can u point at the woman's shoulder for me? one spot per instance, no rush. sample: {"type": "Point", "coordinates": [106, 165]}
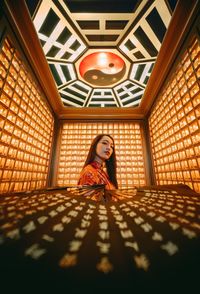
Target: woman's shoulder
{"type": "Point", "coordinates": [89, 167]}
{"type": "Point", "coordinates": [88, 176]}
{"type": "Point", "coordinates": [89, 170]}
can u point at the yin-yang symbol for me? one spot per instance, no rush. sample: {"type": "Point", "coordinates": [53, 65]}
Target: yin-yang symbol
{"type": "Point", "coordinates": [102, 68]}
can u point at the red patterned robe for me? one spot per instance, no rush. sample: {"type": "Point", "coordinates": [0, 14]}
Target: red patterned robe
{"type": "Point", "coordinates": [93, 174]}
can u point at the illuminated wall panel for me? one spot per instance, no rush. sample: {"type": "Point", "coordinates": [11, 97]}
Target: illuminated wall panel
{"type": "Point", "coordinates": [26, 126]}
{"type": "Point", "coordinates": [76, 139]}
{"type": "Point", "coordinates": [175, 124]}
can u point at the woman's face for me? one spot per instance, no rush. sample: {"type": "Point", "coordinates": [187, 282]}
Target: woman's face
{"type": "Point", "coordinates": [104, 148]}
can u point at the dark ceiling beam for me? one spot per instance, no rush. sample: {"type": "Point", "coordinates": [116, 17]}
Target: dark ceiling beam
{"type": "Point", "coordinates": [92, 113]}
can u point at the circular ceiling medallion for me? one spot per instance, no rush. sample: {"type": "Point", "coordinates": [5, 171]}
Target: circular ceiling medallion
{"type": "Point", "coordinates": [102, 68]}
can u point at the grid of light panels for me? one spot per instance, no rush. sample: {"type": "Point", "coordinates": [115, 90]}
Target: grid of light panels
{"type": "Point", "coordinates": [26, 126]}
{"type": "Point", "coordinates": [175, 124]}
{"type": "Point", "coordinates": [75, 142]}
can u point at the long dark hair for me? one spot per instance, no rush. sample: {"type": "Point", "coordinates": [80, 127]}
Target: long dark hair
{"type": "Point", "coordinates": [111, 165]}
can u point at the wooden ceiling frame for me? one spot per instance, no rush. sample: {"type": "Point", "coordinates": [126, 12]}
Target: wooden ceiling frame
{"type": "Point", "coordinates": [20, 20]}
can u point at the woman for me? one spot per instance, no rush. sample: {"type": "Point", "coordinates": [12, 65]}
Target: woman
{"type": "Point", "coordinates": [101, 153]}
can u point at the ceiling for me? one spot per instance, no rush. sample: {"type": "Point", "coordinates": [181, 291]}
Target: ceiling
{"type": "Point", "coordinates": [101, 53]}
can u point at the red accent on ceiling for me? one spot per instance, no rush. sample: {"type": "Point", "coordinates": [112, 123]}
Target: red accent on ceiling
{"type": "Point", "coordinates": [102, 68]}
